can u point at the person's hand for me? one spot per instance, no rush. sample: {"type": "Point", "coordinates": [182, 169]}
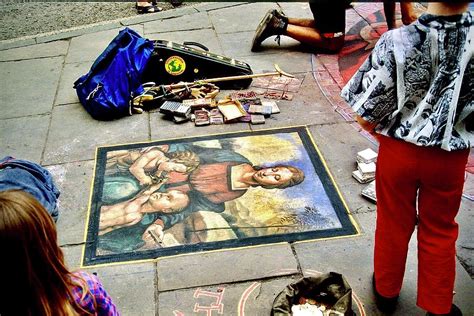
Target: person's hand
{"type": "Point", "coordinates": [153, 236]}
{"type": "Point", "coordinates": [146, 181]}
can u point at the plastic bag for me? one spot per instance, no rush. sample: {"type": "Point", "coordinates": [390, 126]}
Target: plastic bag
{"type": "Point", "coordinates": [330, 290]}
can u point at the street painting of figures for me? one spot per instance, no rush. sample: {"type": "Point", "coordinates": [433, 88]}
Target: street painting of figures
{"type": "Point", "coordinates": [170, 197]}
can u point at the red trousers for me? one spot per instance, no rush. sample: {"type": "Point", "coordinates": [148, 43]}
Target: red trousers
{"type": "Point", "coordinates": [418, 186]}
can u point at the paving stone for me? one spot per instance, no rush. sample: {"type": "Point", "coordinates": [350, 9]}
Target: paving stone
{"type": "Point", "coordinates": [206, 37]}
{"type": "Point", "coordinates": [361, 209]}
{"type": "Point", "coordinates": [144, 18]}
{"type": "Point", "coordinates": [15, 43]}
{"type": "Point", "coordinates": [72, 255]}
{"type": "Point", "coordinates": [236, 43]}
{"type": "Point", "coordinates": [76, 31]}
{"type": "Point", "coordinates": [286, 60]}
{"type": "Point", "coordinates": [248, 298]}
{"type": "Point", "coordinates": [57, 48]}
{"type": "Point", "coordinates": [29, 86]}
{"type": "Point", "coordinates": [334, 139]}
{"type": "Point", "coordinates": [75, 182]}
{"type": "Point", "coordinates": [210, 6]}
{"type": "Point", "coordinates": [74, 134]}
{"type": "Point", "coordinates": [193, 21]}
{"type": "Point", "coordinates": [244, 18]}
{"type": "Point", "coordinates": [465, 243]}
{"type": "Point", "coordinates": [239, 44]}
{"type": "Point", "coordinates": [24, 137]}
{"type": "Point", "coordinates": [215, 267]}
{"type": "Point", "coordinates": [296, 9]}
{"type": "Point", "coordinates": [463, 286]}
{"type": "Point", "coordinates": [308, 107]}
{"type": "Point", "coordinates": [132, 287]}
{"type": "Point", "coordinates": [71, 72]}
{"type": "Point", "coordinates": [88, 47]}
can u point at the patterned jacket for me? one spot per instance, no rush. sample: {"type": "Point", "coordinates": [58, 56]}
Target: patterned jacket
{"type": "Point", "coordinates": [418, 83]}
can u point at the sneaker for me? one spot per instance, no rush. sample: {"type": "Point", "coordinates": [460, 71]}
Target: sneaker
{"type": "Point", "coordinates": [273, 23]}
{"type": "Point", "coordinates": [384, 304]}
{"type": "Point", "coordinates": [280, 15]}
{"type": "Point", "coordinates": [455, 311]}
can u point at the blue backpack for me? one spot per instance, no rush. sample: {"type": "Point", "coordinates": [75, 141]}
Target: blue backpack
{"type": "Point", "coordinates": [106, 91]}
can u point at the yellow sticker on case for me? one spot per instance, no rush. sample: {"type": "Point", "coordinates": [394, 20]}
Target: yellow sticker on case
{"type": "Point", "coordinates": [175, 65]}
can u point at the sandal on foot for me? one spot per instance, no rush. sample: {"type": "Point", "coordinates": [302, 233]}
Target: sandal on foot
{"type": "Point", "coordinates": [148, 9]}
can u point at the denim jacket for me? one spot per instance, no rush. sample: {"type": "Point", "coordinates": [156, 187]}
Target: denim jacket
{"type": "Point", "coordinates": [32, 178]}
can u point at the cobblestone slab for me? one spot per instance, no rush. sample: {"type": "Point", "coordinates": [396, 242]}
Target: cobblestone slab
{"type": "Point", "coordinates": [57, 48]}
{"type": "Point", "coordinates": [70, 73]}
{"type": "Point", "coordinates": [248, 298]}
{"type": "Point", "coordinates": [74, 134]}
{"type": "Point", "coordinates": [286, 60]}
{"type": "Point", "coordinates": [132, 287]}
{"type": "Point", "coordinates": [29, 86]}
{"type": "Point", "coordinates": [74, 181]}
{"type": "Point", "coordinates": [216, 267]}
{"type": "Point", "coordinates": [73, 256]}
{"type": "Point", "coordinates": [198, 20]}
{"type": "Point", "coordinates": [88, 47]}
{"type": "Point", "coordinates": [27, 139]}
{"type": "Point", "coordinates": [245, 18]}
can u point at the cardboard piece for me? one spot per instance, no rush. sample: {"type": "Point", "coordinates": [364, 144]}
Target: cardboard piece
{"type": "Point", "coordinates": [231, 109]}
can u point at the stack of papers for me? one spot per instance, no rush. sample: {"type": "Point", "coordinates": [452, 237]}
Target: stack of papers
{"type": "Point", "coordinates": [366, 156]}
{"type": "Point", "coordinates": [369, 192]}
{"type": "Point", "coordinates": [361, 178]}
{"type": "Point", "coordinates": [365, 172]}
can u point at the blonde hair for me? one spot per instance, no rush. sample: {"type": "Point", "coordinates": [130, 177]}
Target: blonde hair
{"type": "Point", "coordinates": [33, 261]}
{"type": "Point", "coordinates": [186, 157]}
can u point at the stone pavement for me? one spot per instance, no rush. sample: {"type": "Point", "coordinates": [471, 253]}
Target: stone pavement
{"type": "Point", "coordinates": [42, 120]}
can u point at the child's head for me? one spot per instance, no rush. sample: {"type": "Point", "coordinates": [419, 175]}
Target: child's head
{"type": "Point", "coordinates": [172, 201]}
{"type": "Point", "coordinates": [32, 259]}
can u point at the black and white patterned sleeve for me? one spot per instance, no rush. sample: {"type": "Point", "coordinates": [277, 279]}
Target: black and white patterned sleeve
{"type": "Point", "coordinates": [371, 92]}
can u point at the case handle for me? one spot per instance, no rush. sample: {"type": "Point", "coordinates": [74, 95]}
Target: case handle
{"type": "Point", "coordinates": [196, 44]}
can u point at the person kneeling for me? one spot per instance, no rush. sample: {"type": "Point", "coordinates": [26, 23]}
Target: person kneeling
{"type": "Point", "coordinates": [324, 33]}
